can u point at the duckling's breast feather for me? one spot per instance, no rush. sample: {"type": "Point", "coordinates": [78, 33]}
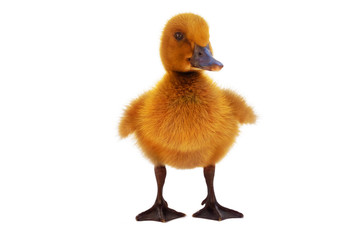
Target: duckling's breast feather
{"type": "Point", "coordinates": [187, 119]}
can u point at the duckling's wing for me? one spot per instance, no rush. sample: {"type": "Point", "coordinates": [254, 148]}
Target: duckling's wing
{"type": "Point", "coordinates": [243, 112]}
{"type": "Point", "coordinates": [128, 122]}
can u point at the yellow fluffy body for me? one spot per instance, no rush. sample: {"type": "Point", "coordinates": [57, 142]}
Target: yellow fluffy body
{"type": "Point", "coordinates": [186, 120]}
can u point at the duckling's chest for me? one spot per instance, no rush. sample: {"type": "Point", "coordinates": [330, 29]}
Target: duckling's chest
{"type": "Point", "coordinates": [185, 119]}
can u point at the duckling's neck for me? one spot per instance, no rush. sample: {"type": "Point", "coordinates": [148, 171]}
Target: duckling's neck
{"type": "Point", "coordinates": [185, 78]}
{"type": "Point", "coordinates": [187, 87]}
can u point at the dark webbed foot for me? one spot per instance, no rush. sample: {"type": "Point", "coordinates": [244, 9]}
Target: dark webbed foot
{"type": "Point", "coordinates": [159, 212]}
{"type": "Point", "coordinates": [213, 210]}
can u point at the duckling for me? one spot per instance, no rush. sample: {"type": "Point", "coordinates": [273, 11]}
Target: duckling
{"type": "Point", "coordinates": [186, 120]}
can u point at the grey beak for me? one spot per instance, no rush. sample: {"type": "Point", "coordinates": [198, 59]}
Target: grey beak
{"type": "Point", "coordinates": [203, 59]}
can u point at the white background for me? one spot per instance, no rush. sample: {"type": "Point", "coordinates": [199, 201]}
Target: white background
{"type": "Point", "coordinates": [68, 69]}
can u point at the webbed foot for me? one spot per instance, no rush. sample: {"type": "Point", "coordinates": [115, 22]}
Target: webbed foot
{"type": "Point", "coordinates": [159, 212]}
{"type": "Point", "coordinates": [214, 211]}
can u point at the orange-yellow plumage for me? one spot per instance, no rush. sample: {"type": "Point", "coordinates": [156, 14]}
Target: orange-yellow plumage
{"type": "Point", "coordinates": [186, 120]}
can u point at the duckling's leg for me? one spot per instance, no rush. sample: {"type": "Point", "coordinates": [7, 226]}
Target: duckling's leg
{"type": "Point", "coordinates": [159, 211]}
{"type": "Point", "coordinates": [213, 210]}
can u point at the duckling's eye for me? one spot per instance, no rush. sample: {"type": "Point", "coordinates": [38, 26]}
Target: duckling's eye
{"type": "Point", "coordinates": [179, 36]}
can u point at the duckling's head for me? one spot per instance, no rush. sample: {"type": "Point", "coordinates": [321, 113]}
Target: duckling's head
{"type": "Point", "coordinates": [185, 45]}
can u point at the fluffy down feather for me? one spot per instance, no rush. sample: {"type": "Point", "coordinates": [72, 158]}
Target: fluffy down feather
{"type": "Point", "coordinates": [186, 120]}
